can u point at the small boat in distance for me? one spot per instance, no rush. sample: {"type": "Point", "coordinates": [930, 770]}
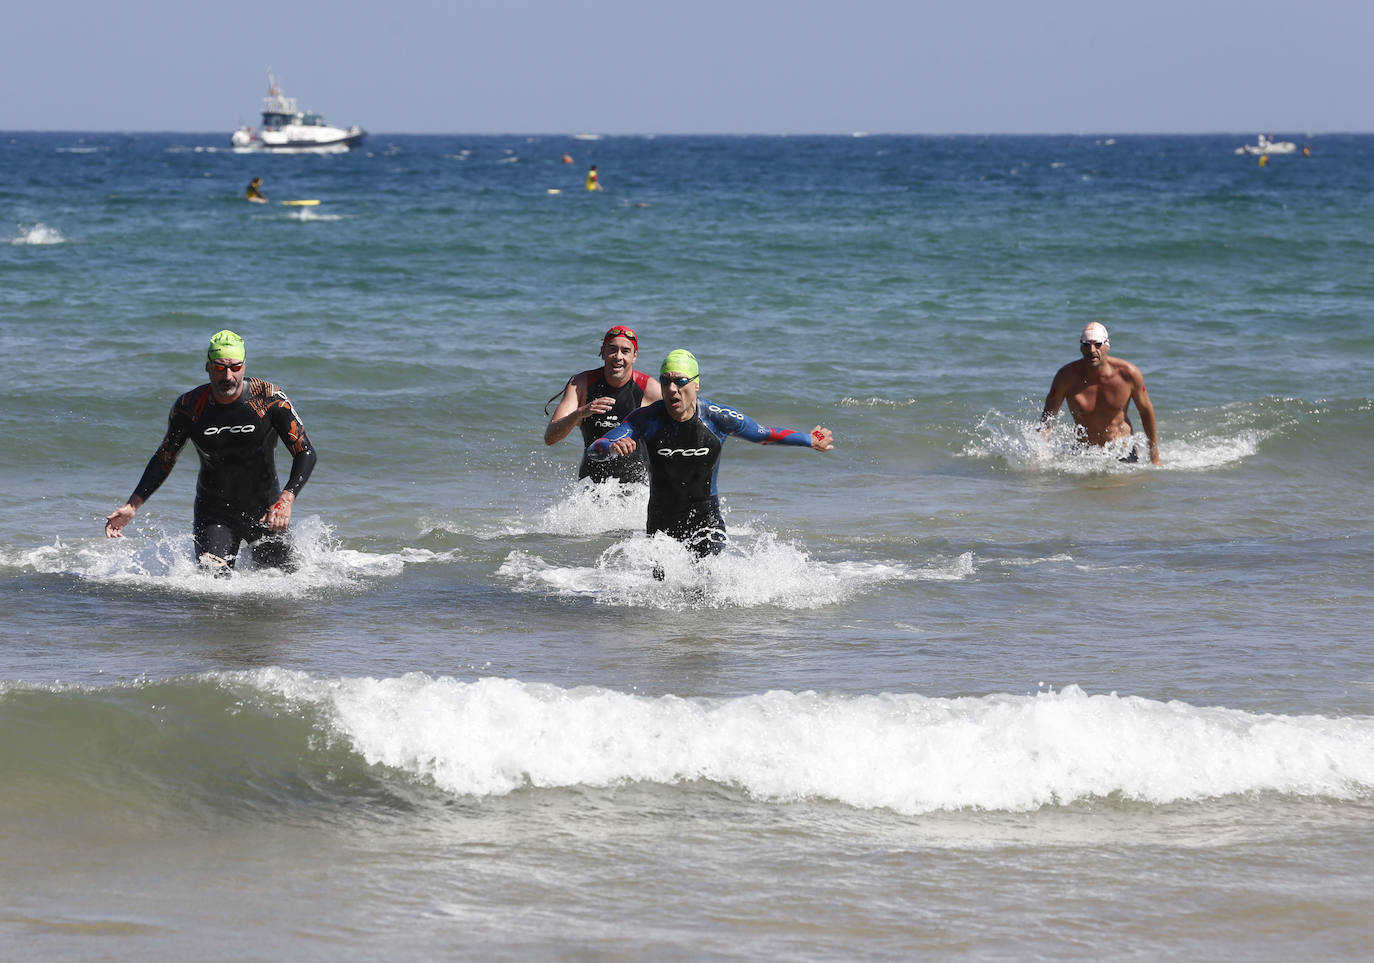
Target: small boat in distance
{"type": "Point", "coordinates": [287, 130]}
{"type": "Point", "coordinates": [1263, 145]}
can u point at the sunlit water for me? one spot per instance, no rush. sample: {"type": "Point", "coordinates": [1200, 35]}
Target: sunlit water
{"type": "Point", "coordinates": [958, 688]}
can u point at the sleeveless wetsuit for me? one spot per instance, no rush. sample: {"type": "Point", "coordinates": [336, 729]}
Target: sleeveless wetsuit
{"type": "Point", "coordinates": [628, 397]}
{"type": "Point", "coordinates": [683, 460]}
{"type": "Point", "coordinates": [238, 473]}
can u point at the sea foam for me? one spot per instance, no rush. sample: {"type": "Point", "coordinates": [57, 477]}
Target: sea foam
{"type": "Point", "coordinates": [38, 234]}
{"type": "Point", "coordinates": [903, 752]}
{"type": "Point", "coordinates": [163, 562]}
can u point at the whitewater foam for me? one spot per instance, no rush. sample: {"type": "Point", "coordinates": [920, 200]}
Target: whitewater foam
{"type": "Point", "coordinates": [38, 234]}
{"type": "Point", "coordinates": [903, 752]}
{"type": "Point", "coordinates": [162, 561]}
{"type": "Point", "coordinates": [754, 569]}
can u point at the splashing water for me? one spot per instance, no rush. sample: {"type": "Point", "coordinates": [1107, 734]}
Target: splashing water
{"type": "Point", "coordinates": [38, 234]}
{"type": "Point", "coordinates": [163, 562]}
{"type": "Point", "coordinates": [753, 570]}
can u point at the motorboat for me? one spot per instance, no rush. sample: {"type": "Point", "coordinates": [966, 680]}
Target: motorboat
{"type": "Point", "coordinates": [288, 130]}
{"type": "Point", "coordinates": [1264, 145]}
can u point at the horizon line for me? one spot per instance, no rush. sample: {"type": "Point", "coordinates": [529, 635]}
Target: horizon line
{"type": "Point", "coordinates": [642, 134]}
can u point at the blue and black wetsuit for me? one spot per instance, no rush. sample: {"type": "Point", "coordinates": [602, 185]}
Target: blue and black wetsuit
{"type": "Point", "coordinates": [683, 459]}
{"type": "Point", "coordinates": [628, 397]}
{"type": "Point", "coordinates": [238, 473]}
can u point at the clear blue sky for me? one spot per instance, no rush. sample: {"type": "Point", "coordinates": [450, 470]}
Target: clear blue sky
{"type": "Point", "coordinates": [705, 66]}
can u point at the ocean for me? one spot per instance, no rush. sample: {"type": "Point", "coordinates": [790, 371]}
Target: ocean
{"type": "Point", "coordinates": [954, 690]}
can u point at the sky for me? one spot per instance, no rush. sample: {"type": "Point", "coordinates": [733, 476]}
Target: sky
{"type": "Point", "coordinates": [699, 67]}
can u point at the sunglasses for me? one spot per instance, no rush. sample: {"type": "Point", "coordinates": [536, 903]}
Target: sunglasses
{"type": "Point", "coordinates": [677, 382]}
{"type": "Point", "coordinates": [224, 364]}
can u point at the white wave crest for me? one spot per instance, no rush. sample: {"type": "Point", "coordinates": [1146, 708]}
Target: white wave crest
{"type": "Point", "coordinates": [902, 752]}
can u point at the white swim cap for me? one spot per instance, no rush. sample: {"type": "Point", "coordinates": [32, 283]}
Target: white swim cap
{"type": "Point", "coordinates": [1094, 332]}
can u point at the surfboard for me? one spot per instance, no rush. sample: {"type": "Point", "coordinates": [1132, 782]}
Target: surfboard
{"type": "Point", "coordinates": [310, 203]}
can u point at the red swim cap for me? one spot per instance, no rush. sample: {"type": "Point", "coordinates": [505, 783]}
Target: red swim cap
{"type": "Point", "coordinates": [620, 331]}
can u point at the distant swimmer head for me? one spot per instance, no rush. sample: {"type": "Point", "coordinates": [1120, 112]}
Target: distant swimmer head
{"type": "Point", "coordinates": [1094, 333]}
{"type": "Point", "coordinates": [681, 362]}
{"type": "Point", "coordinates": [226, 344]}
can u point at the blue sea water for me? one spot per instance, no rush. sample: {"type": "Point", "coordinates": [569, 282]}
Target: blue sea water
{"type": "Point", "coordinates": [953, 690]}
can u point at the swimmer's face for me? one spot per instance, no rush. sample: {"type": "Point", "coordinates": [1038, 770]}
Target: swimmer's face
{"type": "Point", "coordinates": [680, 400]}
{"type": "Point", "coordinates": [1094, 351]}
{"type": "Point", "coordinates": [225, 381]}
{"type": "Point", "coordinates": [619, 354]}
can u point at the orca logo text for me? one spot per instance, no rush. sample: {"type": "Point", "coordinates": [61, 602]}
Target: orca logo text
{"type": "Point", "coordinates": [687, 452]}
{"type": "Point", "coordinates": [233, 429]}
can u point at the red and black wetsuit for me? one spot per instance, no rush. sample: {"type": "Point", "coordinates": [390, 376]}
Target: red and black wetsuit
{"type": "Point", "coordinates": [628, 397]}
{"type": "Point", "coordinates": [238, 473]}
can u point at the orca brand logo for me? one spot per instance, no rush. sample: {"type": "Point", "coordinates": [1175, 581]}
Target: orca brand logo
{"type": "Point", "coordinates": [686, 452]}
{"type": "Point", "coordinates": [232, 429]}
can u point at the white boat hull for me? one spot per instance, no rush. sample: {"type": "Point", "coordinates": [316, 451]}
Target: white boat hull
{"type": "Point", "coordinates": [1267, 146]}
{"type": "Point", "coordinates": [311, 140]}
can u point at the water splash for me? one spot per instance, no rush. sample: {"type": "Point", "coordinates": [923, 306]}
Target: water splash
{"type": "Point", "coordinates": [163, 562]}
{"type": "Point", "coordinates": [38, 234]}
{"type": "Point", "coordinates": [753, 570]}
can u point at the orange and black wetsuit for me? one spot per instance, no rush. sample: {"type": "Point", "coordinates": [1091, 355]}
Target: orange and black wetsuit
{"type": "Point", "coordinates": [238, 473]}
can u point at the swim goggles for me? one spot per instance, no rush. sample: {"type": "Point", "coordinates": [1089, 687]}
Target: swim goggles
{"type": "Point", "coordinates": [620, 331]}
{"type": "Point", "coordinates": [677, 382]}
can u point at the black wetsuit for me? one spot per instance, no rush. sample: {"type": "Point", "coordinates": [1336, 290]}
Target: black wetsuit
{"type": "Point", "coordinates": [683, 461]}
{"type": "Point", "coordinates": [238, 473]}
{"type": "Point", "coordinates": [628, 397]}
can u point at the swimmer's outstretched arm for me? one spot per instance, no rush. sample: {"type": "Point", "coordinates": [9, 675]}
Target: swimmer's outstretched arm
{"type": "Point", "coordinates": [737, 423]}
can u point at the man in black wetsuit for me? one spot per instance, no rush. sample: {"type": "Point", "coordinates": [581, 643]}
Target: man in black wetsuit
{"type": "Point", "coordinates": [600, 399]}
{"type": "Point", "coordinates": [235, 422]}
{"type": "Point", "coordinates": [683, 436]}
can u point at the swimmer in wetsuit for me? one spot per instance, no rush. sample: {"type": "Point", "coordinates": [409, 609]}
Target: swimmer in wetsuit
{"type": "Point", "coordinates": [600, 399]}
{"type": "Point", "coordinates": [683, 436]}
{"type": "Point", "coordinates": [253, 191]}
{"type": "Point", "coordinates": [234, 422]}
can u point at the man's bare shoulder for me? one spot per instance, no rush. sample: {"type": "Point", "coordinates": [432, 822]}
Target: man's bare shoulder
{"type": "Point", "coordinates": [1069, 372]}
{"type": "Point", "coordinates": [1124, 369]}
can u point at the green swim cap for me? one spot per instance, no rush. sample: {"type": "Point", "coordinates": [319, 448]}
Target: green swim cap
{"type": "Point", "coordinates": [226, 344]}
{"type": "Point", "coordinates": [682, 361]}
